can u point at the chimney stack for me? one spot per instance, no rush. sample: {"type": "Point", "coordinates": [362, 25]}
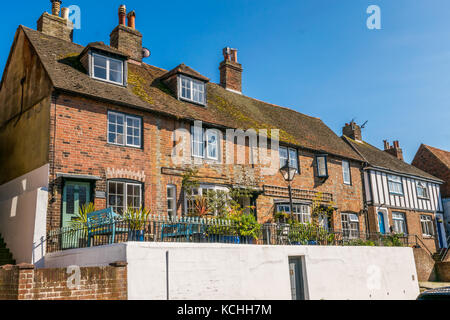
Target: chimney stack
{"type": "Point", "coordinates": [126, 38]}
{"type": "Point", "coordinates": [394, 150]}
{"type": "Point", "coordinates": [54, 25]}
{"type": "Point", "coordinates": [231, 71]}
{"type": "Point", "coordinates": [353, 131]}
{"type": "Point", "coordinates": [122, 14]}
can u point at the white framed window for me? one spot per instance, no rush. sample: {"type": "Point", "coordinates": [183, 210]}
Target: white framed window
{"type": "Point", "coordinates": [422, 191]}
{"type": "Point", "coordinates": [124, 195]}
{"type": "Point", "coordinates": [395, 184]}
{"type": "Point", "coordinates": [124, 130]}
{"type": "Point", "coordinates": [427, 226]}
{"type": "Point", "coordinates": [346, 172]}
{"type": "Point", "coordinates": [289, 155]}
{"type": "Point", "coordinates": [171, 200]}
{"type": "Point", "coordinates": [189, 199]}
{"type": "Point", "coordinates": [350, 225]}
{"type": "Point", "coordinates": [192, 90]}
{"type": "Point", "coordinates": [107, 69]}
{"type": "Point", "coordinates": [399, 223]}
{"type": "Point", "coordinates": [212, 144]}
{"type": "Point", "coordinates": [302, 213]}
{"type": "Point", "coordinates": [205, 143]}
{"type": "Point", "coordinates": [322, 166]}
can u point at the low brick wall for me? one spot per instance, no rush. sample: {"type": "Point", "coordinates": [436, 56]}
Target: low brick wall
{"type": "Point", "coordinates": [443, 271]}
{"type": "Point", "coordinates": [424, 265]}
{"type": "Point", "coordinates": [23, 282]}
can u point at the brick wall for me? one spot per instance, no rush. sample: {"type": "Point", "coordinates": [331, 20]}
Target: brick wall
{"type": "Point", "coordinates": [23, 282]}
{"type": "Point", "coordinates": [79, 146]}
{"type": "Point", "coordinates": [424, 265]}
{"type": "Point", "coordinates": [443, 271]}
{"type": "Point", "coordinates": [427, 161]}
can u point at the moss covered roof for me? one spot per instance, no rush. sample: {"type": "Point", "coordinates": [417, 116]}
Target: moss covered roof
{"type": "Point", "coordinates": [145, 90]}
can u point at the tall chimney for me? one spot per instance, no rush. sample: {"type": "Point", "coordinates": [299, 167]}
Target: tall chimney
{"type": "Point", "coordinates": [132, 20]}
{"type": "Point", "coordinates": [56, 7]}
{"type": "Point", "coordinates": [394, 150]}
{"type": "Point", "coordinates": [231, 71]}
{"type": "Point", "coordinates": [122, 14]}
{"type": "Point", "coordinates": [353, 131]}
{"type": "Point", "coordinates": [126, 38]}
{"type": "Point", "coordinates": [54, 25]}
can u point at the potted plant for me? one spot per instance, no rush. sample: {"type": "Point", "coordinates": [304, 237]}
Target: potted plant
{"type": "Point", "coordinates": [136, 220]}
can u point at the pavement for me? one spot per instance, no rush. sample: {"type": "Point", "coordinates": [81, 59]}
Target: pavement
{"type": "Point", "coordinates": [424, 286]}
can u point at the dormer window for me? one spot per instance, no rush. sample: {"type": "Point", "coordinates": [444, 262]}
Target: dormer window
{"type": "Point", "coordinates": [192, 90]}
{"type": "Point", "coordinates": [107, 69]}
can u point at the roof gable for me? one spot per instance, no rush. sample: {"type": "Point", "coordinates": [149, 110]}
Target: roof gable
{"type": "Point", "coordinates": [381, 159]}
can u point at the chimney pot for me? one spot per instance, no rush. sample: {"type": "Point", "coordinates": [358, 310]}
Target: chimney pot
{"type": "Point", "coordinates": [56, 7]}
{"type": "Point", "coordinates": [65, 13]}
{"type": "Point", "coordinates": [132, 20]}
{"type": "Point", "coordinates": [122, 14]}
{"type": "Point", "coordinates": [386, 145]}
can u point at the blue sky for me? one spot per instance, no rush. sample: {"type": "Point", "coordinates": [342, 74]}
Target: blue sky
{"type": "Point", "coordinates": [314, 56]}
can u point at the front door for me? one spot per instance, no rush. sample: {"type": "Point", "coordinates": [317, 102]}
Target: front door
{"type": "Point", "coordinates": [296, 276]}
{"type": "Point", "coordinates": [440, 232]}
{"type": "Point", "coordinates": [381, 223]}
{"type": "Point", "coordinates": [75, 195]}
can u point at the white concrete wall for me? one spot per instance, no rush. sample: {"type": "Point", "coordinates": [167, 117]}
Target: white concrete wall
{"type": "Point", "coordinates": [23, 214]}
{"type": "Point", "coordinates": [225, 272]}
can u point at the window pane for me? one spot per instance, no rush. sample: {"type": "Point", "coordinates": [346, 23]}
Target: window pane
{"type": "Point", "coordinates": [100, 73]}
{"type": "Point", "coordinates": [115, 76]}
{"type": "Point", "coordinates": [100, 61]}
{"type": "Point", "coordinates": [322, 166]}
{"type": "Point", "coordinates": [283, 157]}
{"type": "Point", "coordinates": [212, 144]}
{"type": "Point", "coordinates": [115, 65]}
{"type": "Point", "coordinates": [346, 171]}
{"type": "Point", "coordinates": [293, 158]}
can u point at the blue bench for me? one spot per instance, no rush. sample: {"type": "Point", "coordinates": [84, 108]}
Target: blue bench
{"type": "Point", "coordinates": [102, 222]}
{"type": "Point", "coordinates": [176, 231]}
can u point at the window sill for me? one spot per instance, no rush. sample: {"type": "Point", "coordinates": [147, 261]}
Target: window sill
{"type": "Point", "coordinates": [110, 82]}
{"type": "Point", "coordinates": [123, 146]}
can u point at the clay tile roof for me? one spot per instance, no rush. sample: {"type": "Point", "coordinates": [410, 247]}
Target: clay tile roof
{"type": "Point", "coordinates": [442, 155]}
{"type": "Point", "coordinates": [147, 91]}
{"type": "Point", "coordinates": [184, 69]}
{"type": "Point", "coordinates": [381, 159]}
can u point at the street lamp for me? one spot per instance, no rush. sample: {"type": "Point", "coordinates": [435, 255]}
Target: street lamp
{"type": "Point", "coordinates": [289, 173]}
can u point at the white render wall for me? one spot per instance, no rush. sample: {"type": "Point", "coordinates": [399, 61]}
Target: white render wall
{"type": "Point", "coordinates": [228, 272]}
{"type": "Point", "coordinates": [23, 215]}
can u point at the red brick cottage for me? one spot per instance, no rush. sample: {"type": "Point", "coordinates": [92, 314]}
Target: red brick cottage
{"type": "Point", "coordinates": [96, 124]}
{"type": "Point", "coordinates": [437, 162]}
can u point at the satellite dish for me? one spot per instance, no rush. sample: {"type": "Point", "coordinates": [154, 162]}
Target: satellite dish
{"type": "Point", "coordinates": [146, 53]}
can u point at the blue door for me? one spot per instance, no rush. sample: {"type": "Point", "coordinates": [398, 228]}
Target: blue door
{"type": "Point", "coordinates": [439, 232]}
{"type": "Point", "coordinates": [381, 223]}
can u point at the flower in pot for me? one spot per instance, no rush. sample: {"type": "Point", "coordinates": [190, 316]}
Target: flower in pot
{"type": "Point", "coordinates": [136, 220]}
